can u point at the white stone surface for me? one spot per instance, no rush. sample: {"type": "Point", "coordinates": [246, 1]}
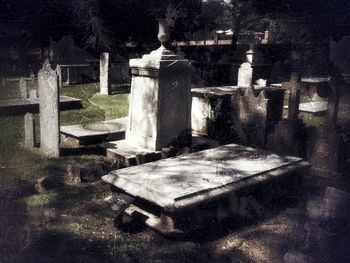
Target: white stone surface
{"type": "Point", "coordinates": [171, 183]}
{"type": "Point", "coordinates": [201, 111]}
{"type": "Point", "coordinates": [245, 75]}
{"type": "Point", "coordinates": [93, 129]}
{"type": "Point", "coordinates": [315, 107]}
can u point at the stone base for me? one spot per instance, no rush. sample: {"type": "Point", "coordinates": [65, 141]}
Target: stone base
{"type": "Point", "coordinates": [288, 138]}
{"type": "Point", "coordinates": [127, 154]}
{"type": "Point", "coordinates": [111, 130]}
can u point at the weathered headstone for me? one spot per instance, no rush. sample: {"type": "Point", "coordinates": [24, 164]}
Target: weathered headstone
{"type": "Point", "coordinates": [253, 69]}
{"type": "Point", "coordinates": [29, 130]}
{"type": "Point", "coordinates": [104, 85]}
{"type": "Point", "coordinates": [160, 102]}
{"type": "Point", "coordinates": [49, 111]}
{"type": "Point", "coordinates": [249, 117]}
{"type": "Point", "coordinates": [59, 75]}
{"type": "Point", "coordinates": [23, 88]}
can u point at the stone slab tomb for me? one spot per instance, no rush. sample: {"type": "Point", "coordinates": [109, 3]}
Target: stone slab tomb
{"type": "Point", "coordinates": [178, 184]}
{"type": "Point", "coordinates": [218, 111]}
{"type": "Point", "coordinates": [93, 133]}
{"type": "Point", "coordinates": [22, 106]}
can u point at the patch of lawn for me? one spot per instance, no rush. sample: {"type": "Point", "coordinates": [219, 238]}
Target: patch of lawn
{"type": "Point", "coordinates": [114, 106]}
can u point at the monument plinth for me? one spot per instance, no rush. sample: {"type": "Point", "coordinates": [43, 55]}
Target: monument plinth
{"type": "Point", "coordinates": [160, 98]}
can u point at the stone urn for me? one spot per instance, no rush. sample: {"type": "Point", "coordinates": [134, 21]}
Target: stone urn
{"type": "Point", "coordinates": [163, 32]}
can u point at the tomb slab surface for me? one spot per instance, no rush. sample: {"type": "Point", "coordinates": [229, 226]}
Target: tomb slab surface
{"type": "Point", "coordinates": [182, 181]}
{"type": "Point", "coordinates": [21, 106]}
{"type": "Point", "coordinates": [313, 107]}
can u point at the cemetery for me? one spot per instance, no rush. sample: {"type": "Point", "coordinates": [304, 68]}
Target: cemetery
{"type": "Point", "coordinates": [177, 142]}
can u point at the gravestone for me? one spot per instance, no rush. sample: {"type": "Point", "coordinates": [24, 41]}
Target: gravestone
{"type": "Point", "coordinates": [104, 85]}
{"type": "Point", "coordinates": [49, 111]}
{"type": "Point", "coordinates": [253, 70]}
{"type": "Point", "coordinates": [245, 75]}
{"type": "Point", "coordinates": [249, 117]}
{"type": "Point", "coordinates": [160, 99]}
{"type": "Point", "coordinates": [29, 130]}
{"type": "Point", "coordinates": [23, 88]}
{"type": "Point", "coordinates": [59, 75]}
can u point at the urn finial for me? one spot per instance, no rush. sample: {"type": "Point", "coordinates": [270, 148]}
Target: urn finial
{"type": "Point", "coordinates": [163, 32]}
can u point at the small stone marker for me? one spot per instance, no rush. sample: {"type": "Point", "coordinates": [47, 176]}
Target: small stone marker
{"type": "Point", "coordinates": [29, 130]}
{"type": "Point", "coordinates": [104, 61]}
{"type": "Point", "coordinates": [49, 111]}
{"type": "Point", "coordinates": [245, 75]}
{"type": "Point", "coordinates": [23, 88]}
{"type": "Point", "coordinates": [294, 96]}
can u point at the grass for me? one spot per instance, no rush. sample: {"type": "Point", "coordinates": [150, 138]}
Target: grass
{"type": "Point", "coordinates": [63, 212]}
{"type": "Point", "coordinates": [72, 223]}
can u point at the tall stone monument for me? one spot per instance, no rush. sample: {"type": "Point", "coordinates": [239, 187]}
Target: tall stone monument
{"type": "Point", "coordinates": [49, 111]}
{"type": "Point", "coordinates": [160, 99]}
{"type": "Point", "coordinates": [104, 84]}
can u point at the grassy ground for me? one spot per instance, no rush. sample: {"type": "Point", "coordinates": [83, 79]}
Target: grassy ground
{"type": "Point", "coordinates": [73, 223]}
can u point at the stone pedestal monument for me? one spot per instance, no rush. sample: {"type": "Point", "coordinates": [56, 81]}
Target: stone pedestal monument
{"type": "Point", "coordinates": [160, 99]}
